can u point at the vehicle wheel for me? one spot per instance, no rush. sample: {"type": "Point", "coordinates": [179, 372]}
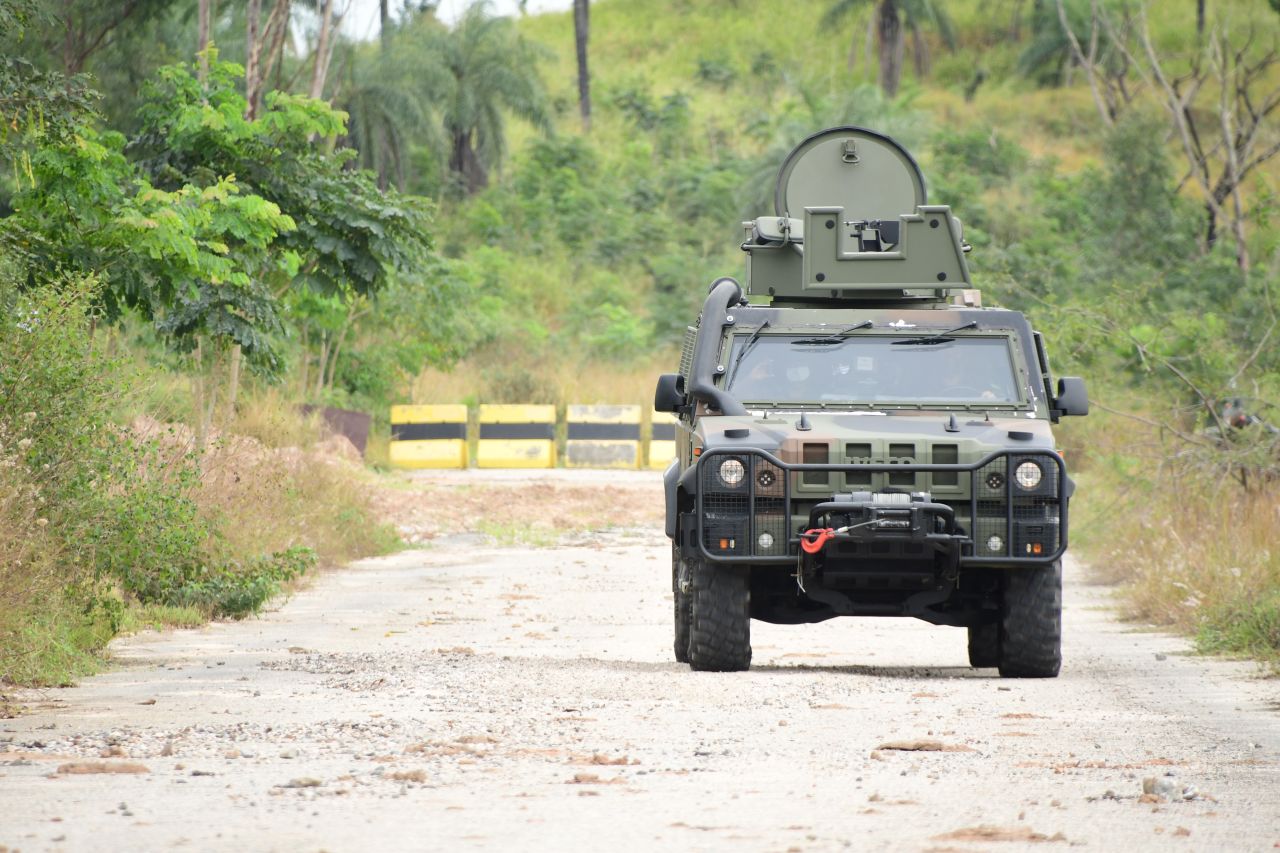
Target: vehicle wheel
{"type": "Point", "coordinates": [683, 604]}
{"type": "Point", "coordinates": [1031, 631]}
{"type": "Point", "coordinates": [984, 645]}
{"type": "Point", "coordinates": [720, 619]}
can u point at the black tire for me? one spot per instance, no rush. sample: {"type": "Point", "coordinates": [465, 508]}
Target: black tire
{"type": "Point", "coordinates": [720, 620]}
{"type": "Point", "coordinates": [683, 604]}
{"type": "Point", "coordinates": [1031, 631]}
{"type": "Point", "coordinates": [984, 645]}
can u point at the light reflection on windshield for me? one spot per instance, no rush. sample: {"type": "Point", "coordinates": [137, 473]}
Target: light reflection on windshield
{"type": "Point", "coordinates": [871, 369]}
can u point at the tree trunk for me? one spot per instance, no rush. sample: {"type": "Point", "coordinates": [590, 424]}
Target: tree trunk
{"type": "Point", "coordinates": [202, 36]}
{"type": "Point", "coordinates": [304, 363]}
{"type": "Point", "coordinates": [323, 52]}
{"type": "Point", "coordinates": [324, 360]}
{"type": "Point", "coordinates": [1015, 22]}
{"type": "Point", "coordinates": [273, 38]}
{"type": "Point", "coordinates": [867, 45]}
{"type": "Point", "coordinates": [581, 30]}
{"type": "Point", "coordinates": [384, 23]}
{"type": "Point", "coordinates": [204, 392]}
{"type": "Point", "coordinates": [1199, 21]}
{"type": "Point", "coordinates": [889, 24]}
{"type": "Point", "coordinates": [253, 49]}
{"type": "Point", "coordinates": [465, 163]}
{"type": "Point", "coordinates": [233, 382]}
{"type": "Point", "coordinates": [919, 53]}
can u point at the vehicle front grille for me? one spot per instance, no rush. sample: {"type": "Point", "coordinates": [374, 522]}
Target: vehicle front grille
{"type": "Point", "coordinates": [756, 507]}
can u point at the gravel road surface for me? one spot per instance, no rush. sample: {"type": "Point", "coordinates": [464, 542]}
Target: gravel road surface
{"type": "Point", "coordinates": [464, 695]}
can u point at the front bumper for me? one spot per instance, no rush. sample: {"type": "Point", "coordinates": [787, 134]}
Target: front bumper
{"type": "Point", "coordinates": [982, 515]}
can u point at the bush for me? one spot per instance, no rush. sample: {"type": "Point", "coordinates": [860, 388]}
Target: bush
{"type": "Point", "coordinates": [95, 518]}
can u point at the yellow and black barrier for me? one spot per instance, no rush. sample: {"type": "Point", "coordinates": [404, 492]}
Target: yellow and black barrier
{"type": "Point", "coordinates": [428, 436]}
{"type": "Point", "coordinates": [602, 437]}
{"type": "Point", "coordinates": [515, 436]}
{"type": "Point", "coordinates": [662, 440]}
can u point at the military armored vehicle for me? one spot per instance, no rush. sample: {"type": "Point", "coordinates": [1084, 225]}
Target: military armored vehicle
{"type": "Point", "coordinates": [857, 436]}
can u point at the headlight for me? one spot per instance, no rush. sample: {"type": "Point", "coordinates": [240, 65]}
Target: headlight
{"type": "Point", "coordinates": [995, 543]}
{"type": "Point", "coordinates": [1028, 475]}
{"type": "Point", "coordinates": [765, 541]}
{"type": "Point", "coordinates": [732, 471]}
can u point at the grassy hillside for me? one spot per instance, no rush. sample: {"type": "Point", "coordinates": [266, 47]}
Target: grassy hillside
{"type": "Point", "coordinates": [694, 106]}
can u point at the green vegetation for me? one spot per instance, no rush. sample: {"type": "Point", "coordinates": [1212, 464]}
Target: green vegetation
{"type": "Point", "coordinates": [189, 255]}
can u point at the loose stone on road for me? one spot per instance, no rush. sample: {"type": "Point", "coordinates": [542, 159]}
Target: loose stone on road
{"type": "Point", "coordinates": [471, 696]}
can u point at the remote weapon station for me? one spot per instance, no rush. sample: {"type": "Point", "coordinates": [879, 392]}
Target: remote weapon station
{"type": "Point", "coordinates": [857, 436]}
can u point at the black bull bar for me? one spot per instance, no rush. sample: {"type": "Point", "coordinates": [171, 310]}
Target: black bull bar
{"type": "Point", "coordinates": [997, 505]}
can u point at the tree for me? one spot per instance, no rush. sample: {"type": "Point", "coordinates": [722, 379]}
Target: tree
{"type": "Point", "coordinates": [1222, 107]}
{"type": "Point", "coordinates": [351, 238]}
{"type": "Point", "coordinates": [581, 28]}
{"type": "Point", "coordinates": [1061, 36]}
{"type": "Point", "coordinates": [490, 70]}
{"type": "Point", "coordinates": [204, 24]}
{"type": "Point", "coordinates": [1242, 107]}
{"type": "Point", "coordinates": [264, 48]}
{"type": "Point", "coordinates": [890, 15]}
{"type": "Point", "coordinates": [324, 49]}
{"type": "Point", "coordinates": [389, 112]}
{"type": "Point", "coordinates": [85, 27]}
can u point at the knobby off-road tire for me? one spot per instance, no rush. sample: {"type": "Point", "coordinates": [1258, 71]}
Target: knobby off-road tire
{"type": "Point", "coordinates": [984, 645]}
{"type": "Point", "coordinates": [720, 623]}
{"type": "Point", "coordinates": [683, 604]}
{"type": "Point", "coordinates": [1031, 631]}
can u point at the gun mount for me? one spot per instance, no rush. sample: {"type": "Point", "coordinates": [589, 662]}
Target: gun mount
{"type": "Point", "coordinates": [853, 224]}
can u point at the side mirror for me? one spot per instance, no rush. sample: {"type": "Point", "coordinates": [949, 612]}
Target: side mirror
{"type": "Point", "coordinates": [1072, 398]}
{"type": "Point", "coordinates": [669, 396]}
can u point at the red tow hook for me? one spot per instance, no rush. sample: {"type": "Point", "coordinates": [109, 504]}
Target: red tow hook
{"type": "Point", "coordinates": [822, 535]}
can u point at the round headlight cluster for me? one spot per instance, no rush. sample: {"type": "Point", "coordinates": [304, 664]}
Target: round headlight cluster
{"type": "Point", "coordinates": [1028, 475]}
{"type": "Point", "coordinates": [995, 544]}
{"type": "Point", "coordinates": [995, 481]}
{"type": "Point", "coordinates": [732, 471]}
{"type": "Point", "coordinates": [765, 541]}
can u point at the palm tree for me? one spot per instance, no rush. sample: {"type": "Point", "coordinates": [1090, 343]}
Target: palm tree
{"type": "Point", "coordinates": [443, 90]}
{"type": "Point", "coordinates": [389, 115]}
{"type": "Point", "coordinates": [890, 16]}
{"type": "Point", "coordinates": [490, 69]}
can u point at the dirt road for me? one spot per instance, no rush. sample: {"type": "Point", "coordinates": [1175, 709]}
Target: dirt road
{"type": "Point", "coordinates": [471, 696]}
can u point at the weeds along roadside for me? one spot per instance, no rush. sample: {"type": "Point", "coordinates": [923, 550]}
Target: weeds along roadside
{"type": "Point", "coordinates": [108, 526]}
{"type": "Point", "coordinates": [1191, 546]}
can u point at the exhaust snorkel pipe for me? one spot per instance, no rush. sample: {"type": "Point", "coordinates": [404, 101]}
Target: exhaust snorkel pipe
{"type": "Point", "coordinates": [723, 297]}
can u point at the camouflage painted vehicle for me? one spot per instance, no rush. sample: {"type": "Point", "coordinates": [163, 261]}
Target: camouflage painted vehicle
{"type": "Point", "coordinates": [863, 439]}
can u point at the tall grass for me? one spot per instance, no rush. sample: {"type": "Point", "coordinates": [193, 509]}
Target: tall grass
{"type": "Point", "coordinates": [557, 378]}
{"type": "Point", "coordinates": [1192, 547]}
{"type": "Point", "coordinates": [106, 526]}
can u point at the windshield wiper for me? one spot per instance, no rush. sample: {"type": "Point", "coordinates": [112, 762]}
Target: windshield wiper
{"type": "Point", "coordinates": [939, 338]}
{"type": "Point", "coordinates": [834, 337]}
{"type": "Point", "coordinates": [746, 348]}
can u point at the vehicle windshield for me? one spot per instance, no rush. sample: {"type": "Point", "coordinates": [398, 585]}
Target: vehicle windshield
{"type": "Point", "coordinates": [860, 369]}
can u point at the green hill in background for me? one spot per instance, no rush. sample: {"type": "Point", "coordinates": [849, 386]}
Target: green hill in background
{"type": "Point", "coordinates": [591, 251]}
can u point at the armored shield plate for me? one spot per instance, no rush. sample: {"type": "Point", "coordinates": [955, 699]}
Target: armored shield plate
{"type": "Point", "coordinates": [866, 173]}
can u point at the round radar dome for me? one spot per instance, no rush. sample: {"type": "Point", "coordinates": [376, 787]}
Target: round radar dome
{"type": "Point", "coordinates": [866, 173]}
